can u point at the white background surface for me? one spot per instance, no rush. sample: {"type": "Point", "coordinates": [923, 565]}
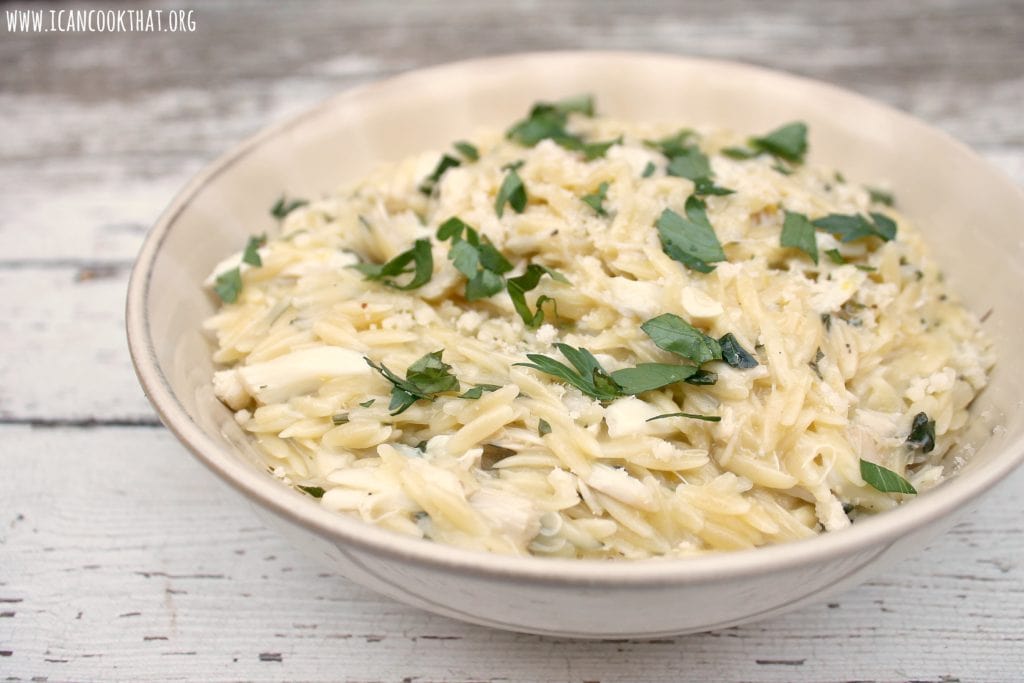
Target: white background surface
{"type": "Point", "coordinates": [122, 559]}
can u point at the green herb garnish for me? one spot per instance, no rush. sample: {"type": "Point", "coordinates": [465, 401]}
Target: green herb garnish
{"type": "Point", "coordinates": [671, 333]}
{"type": "Point", "coordinates": [339, 419]}
{"type": "Point", "coordinates": [228, 285]}
{"type": "Point", "coordinates": [799, 233]}
{"type": "Point", "coordinates": [849, 227]}
{"type": "Point", "coordinates": [314, 491]}
{"type": "Point", "coordinates": [702, 378]}
{"type": "Point", "coordinates": [884, 480]}
{"type": "Point", "coordinates": [475, 257]}
{"type": "Point", "coordinates": [691, 240]}
{"type": "Point", "coordinates": [511, 192]}
{"type": "Point", "coordinates": [587, 375]}
{"type": "Point", "coordinates": [881, 196]}
{"type": "Point", "coordinates": [543, 427]}
{"type": "Point", "coordinates": [835, 256]}
{"type": "Point", "coordinates": [739, 153]}
{"type": "Point", "coordinates": [788, 142]}
{"type": "Point", "coordinates": [430, 182]}
{"type": "Point", "coordinates": [424, 379]}
{"type": "Point", "coordinates": [596, 199]}
{"type": "Point", "coordinates": [419, 255]}
{"type": "Point", "coordinates": [706, 418]}
{"type": "Point", "coordinates": [519, 286]}
{"type": "Point", "coordinates": [673, 145]}
{"type": "Point", "coordinates": [649, 170]}
{"type": "Point", "coordinates": [922, 433]}
{"type": "Point", "coordinates": [251, 255]}
{"type": "Point", "coordinates": [548, 120]}
{"type": "Point", "coordinates": [367, 404]}
{"type": "Point", "coordinates": [283, 206]}
{"type": "Point", "coordinates": [478, 391]}
{"type": "Point", "coordinates": [734, 354]}
{"type": "Point", "coordinates": [467, 150]}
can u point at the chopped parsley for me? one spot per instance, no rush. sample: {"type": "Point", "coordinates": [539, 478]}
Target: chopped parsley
{"type": "Point", "coordinates": [424, 379]}
{"type": "Point", "coordinates": [475, 257]}
{"type": "Point", "coordinates": [228, 285]}
{"type": "Point", "coordinates": [543, 427]}
{"type": "Point", "coordinates": [548, 120]}
{"type": "Point", "coordinates": [478, 391]}
{"type": "Point", "coordinates": [692, 416]}
{"type": "Point", "coordinates": [884, 480]}
{"type": "Point", "coordinates": [367, 404]}
{"type": "Point", "coordinates": [587, 375]}
{"type": "Point", "coordinates": [314, 491]}
{"type": "Point", "coordinates": [671, 333]}
{"type": "Point", "coordinates": [673, 145]}
{"type": "Point", "coordinates": [519, 286]}
{"type": "Point", "coordinates": [339, 419]}
{"type": "Point", "coordinates": [468, 150]}
{"type": "Point", "coordinates": [799, 233]}
{"type": "Point", "coordinates": [511, 192]}
{"type": "Point", "coordinates": [595, 200]}
{"type": "Point", "coordinates": [419, 255]}
{"type": "Point", "coordinates": [788, 142]}
{"type": "Point", "coordinates": [881, 196]}
{"type": "Point", "coordinates": [835, 257]}
{"type": "Point", "coordinates": [283, 206]}
{"type": "Point", "coordinates": [649, 170]}
{"type": "Point", "coordinates": [691, 240]}
{"type": "Point", "coordinates": [430, 182]}
{"type": "Point", "coordinates": [850, 227]}
{"type": "Point", "coordinates": [251, 255]}
{"type": "Point", "coordinates": [922, 433]}
{"type": "Point", "coordinates": [734, 354]}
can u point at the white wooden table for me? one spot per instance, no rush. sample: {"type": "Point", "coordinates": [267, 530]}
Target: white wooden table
{"type": "Point", "coordinates": [122, 559]}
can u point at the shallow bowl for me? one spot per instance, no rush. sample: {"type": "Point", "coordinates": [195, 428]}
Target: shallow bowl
{"type": "Point", "coordinates": [971, 214]}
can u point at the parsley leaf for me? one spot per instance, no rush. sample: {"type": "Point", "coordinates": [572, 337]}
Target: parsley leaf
{"type": "Point", "coordinates": [788, 142]}
{"type": "Point", "coordinates": [798, 232]}
{"type": "Point", "coordinates": [835, 257]}
{"type": "Point", "coordinates": [478, 391]}
{"type": "Point", "coordinates": [424, 379]}
{"type": "Point", "coordinates": [430, 182]}
{"type": "Point", "coordinates": [849, 227]}
{"type": "Point", "coordinates": [673, 145]}
{"type": "Point", "coordinates": [548, 120]}
{"type": "Point", "coordinates": [420, 255]}
{"type": "Point", "coordinates": [649, 170]}
{"type": "Point", "coordinates": [314, 491]}
{"type": "Point", "coordinates": [588, 376]}
{"type": "Point", "coordinates": [467, 150]}
{"type": "Point", "coordinates": [596, 199]}
{"type": "Point", "coordinates": [648, 376]}
{"type": "Point", "coordinates": [519, 286]}
{"type": "Point", "coordinates": [706, 418]}
{"type": "Point", "coordinates": [670, 332]}
{"type": "Point", "coordinates": [511, 192]}
{"type": "Point", "coordinates": [691, 240]}
{"type": "Point", "coordinates": [739, 153]}
{"type": "Point", "coordinates": [922, 433]}
{"type": "Point", "coordinates": [690, 163]}
{"type": "Point", "coordinates": [884, 480]}
{"type": "Point", "coordinates": [251, 255]}
{"type": "Point", "coordinates": [543, 427]}
{"type": "Point", "coordinates": [591, 150]}
{"type": "Point", "coordinates": [367, 404]}
{"type": "Point", "coordinates": [475, 257]}
{"type": "Point", "coordinates": [734, 354]}
{"type": "Point", "coordinates": [228, 285]}
{"type": "Point", "coordinates": [881, 196]}
{"type": "Point", "coordinates": [702, 378]}
{"type": "Point", "coordinates": [339, 419]}
{"type": "Point", "coordinates": [282, 207]}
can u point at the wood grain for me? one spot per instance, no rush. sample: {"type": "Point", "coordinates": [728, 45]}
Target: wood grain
{"type": "Point", "coordinates": [122, 559]}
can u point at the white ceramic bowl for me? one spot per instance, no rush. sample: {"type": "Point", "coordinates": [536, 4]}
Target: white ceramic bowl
{"type": "Point", "coordinates": [971, 214]}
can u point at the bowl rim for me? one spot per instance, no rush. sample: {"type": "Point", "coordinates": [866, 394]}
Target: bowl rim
{"type": "Point", "coordinates": [870, 534]}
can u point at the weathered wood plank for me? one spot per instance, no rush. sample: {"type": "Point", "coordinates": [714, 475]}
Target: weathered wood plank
{"type": "Point", "coordinates": [122, 555]}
